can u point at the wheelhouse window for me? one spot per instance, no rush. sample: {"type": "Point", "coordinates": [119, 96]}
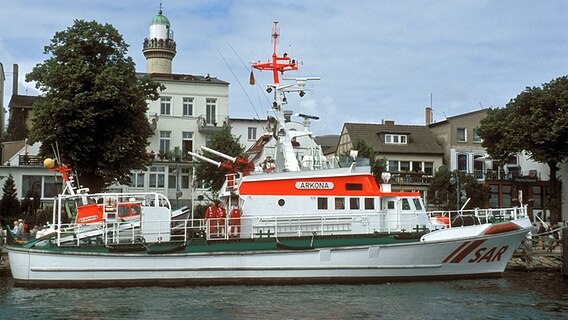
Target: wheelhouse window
{"type": "Point", "coordinates": [165, 105]}
{"type": "Point", "coordinates": [461, 135]}
{"type": "Point", "coordinates": [405, 204]}
{"type": "Point", "coordinates": [353, 186]}
{"type": "Point", "coordinates": [339, 203]}
{"type": "Point", "coordinates": [369, 204]}
{"type": "Point", "coordinates": [187, 107]}
{"type": "Point", "coordinates": [396, 138]}
{"type": "Point", "coordinates": [354, 203]}
{"type": "Point", "coordinates": [322, 203]}
{"type": "Point", "coordinates": [417, 204]}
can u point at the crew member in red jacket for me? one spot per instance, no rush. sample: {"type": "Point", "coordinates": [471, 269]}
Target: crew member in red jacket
{"type": "Point", "coordinates": [221, 215]}
{"type": "Point", "coordinates": [235, 220]}
{"type": "Point", "coordinates": [211, 220]}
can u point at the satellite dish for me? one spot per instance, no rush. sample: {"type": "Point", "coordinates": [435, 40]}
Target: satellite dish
{"type": "Point", "coordinates": [386, 176]}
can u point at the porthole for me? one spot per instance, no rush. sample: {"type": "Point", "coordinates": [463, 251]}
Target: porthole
{"type": "Point", "coordinates": [281, 202]}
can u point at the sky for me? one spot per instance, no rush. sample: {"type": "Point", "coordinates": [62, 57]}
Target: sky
{"type": "Point", "coordinates": [377, 60]}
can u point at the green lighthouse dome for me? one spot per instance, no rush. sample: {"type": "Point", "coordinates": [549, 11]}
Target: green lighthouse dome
{"type": "Point", "coordinates": [160, 19]}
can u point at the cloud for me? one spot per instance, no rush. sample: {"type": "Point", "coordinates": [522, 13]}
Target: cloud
{"type": "Point", "coordinates": [376, 59]}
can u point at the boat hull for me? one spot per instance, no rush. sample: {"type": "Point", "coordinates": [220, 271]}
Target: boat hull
{"type": "Point", "coordinates": [481, 256]}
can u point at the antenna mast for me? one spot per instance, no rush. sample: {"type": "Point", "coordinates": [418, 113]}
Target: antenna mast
{"type": "Point", "coordinates": [277, 64]}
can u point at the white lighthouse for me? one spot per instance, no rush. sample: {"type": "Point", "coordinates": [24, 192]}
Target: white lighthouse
{"type": "Point", "coordinates": [159, 47]}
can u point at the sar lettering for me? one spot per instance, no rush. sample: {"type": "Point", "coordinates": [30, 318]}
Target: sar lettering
{"type": "Point", "coordinates": [485, 255]}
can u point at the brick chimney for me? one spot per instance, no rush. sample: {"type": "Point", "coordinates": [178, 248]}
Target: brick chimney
{"type": "Point", "coordinates": [15, 81]}
{"type": "Point", "coordinates": [428, 112]}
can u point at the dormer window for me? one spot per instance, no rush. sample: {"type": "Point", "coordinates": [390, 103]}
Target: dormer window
{"type": "Point", "coordinates": [396, 138]}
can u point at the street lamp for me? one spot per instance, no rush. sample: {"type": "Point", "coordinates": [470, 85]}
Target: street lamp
{"type": "Point", "coordinates": [455, 179]}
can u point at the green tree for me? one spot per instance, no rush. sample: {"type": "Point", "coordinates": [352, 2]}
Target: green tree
{"type": "Point", "coordinates": [94, 106]}
{"type": "Point", "coordinates": [378, 165]}
{"type": "Point", "coordinates": [9, 204]}
{"type": "Point", "coordinates": [223, 141]}
{"type": "Point", "coordinates": [535, 122]}
{"type": "Point", "coordinates": [444, 195]}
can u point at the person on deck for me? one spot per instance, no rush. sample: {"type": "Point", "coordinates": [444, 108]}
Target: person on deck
{"type": "Point", "coordinates": [221, 215]}
{"type": "Point", "coordinates": [16, 229]}
{"type": "Point", "coordinates": [211, 219]}
{"type": "Point", "coordinates": [235, 220]}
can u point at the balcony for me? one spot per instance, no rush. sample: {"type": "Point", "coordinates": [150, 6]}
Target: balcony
{"type": "Point", "coordinates": [30, 161]}
{"type": "Point", "coordinates": [207, 127]}
{"type": "Point", "coordinates": [415, 178]}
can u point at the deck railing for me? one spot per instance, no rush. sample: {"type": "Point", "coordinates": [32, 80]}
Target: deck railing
{"type": "Point", "coordinates": [118, 232]}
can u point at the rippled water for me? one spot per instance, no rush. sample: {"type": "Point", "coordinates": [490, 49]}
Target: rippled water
{"type": "Point", "coordinates": [517, 295]}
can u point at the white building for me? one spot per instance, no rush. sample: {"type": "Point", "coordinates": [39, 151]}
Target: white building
{"type": "Point", "coordinates": [188, 112]}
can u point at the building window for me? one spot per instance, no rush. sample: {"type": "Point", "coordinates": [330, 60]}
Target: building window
{"type": "Point", "coordinates": [417, 166]}
{"type": "Point", "coordinates": [186, 144]}
{"type": "Point", "coordinates": [165, 141]}
{"type": "Point", "coordinates": [476, 138]}
{"type": "Point", "coordinates": [157, 177]}
{"type": "Point", "coordinates": [537, 197]}
{"type": "Point", "coordinates": [493, 196]}
{"type": "Point", "coordinates": [185, 175]}
{"type": "Point", "coordinates": [252, 133]}
{"type": "Point", "coordinates": [429, 168]}
{"type": "Point", "coordinates": [462, 162]}
{"type": "Point", "coordinates": [210, 112]}
{"type": "Point", "coordinates": [405, 166]}
{"type": "Point", "coordinates": [507, 196]}
{"type": "Point", "coordinates": [396, 139]}
{"type": "Point", "coordinates": [208, 139]}
{"type": "Point", "coordinates": [461, 135]}
{"type": "Point", "coordinates": [478, 166]}
{"type": "Point", "coordinates": [137, 179]}
{"type": "Point", "coordinates": [172, 178]}
{"type": "Point", "coordinates": [188, 107]}
{"type": "Point", "coordinates": [165, 105]}
{"type": "Point", "coordinates": [393, 165]}
{"type": "Point", "coordinates": [40, 186]}
{"type": "Point", "coordinates": [322, 203]}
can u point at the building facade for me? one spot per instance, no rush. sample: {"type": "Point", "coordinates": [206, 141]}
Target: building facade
{"type": "Point", "coordinates": [411, 152]}
{"type": "Point", "coordinates": [520, 180]}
